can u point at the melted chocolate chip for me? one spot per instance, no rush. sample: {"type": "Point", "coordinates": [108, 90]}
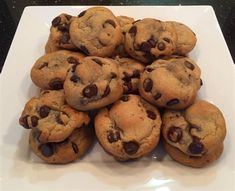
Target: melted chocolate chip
{"type": "Point", "coordinates": [148, 85]}
{"type": "Point", "coordinates": [157, 96]}
{"type": "Point", "coordinates": [150, 57]}
{"type": "Point", "coordinates": [97, 61]}
{"type": "Point", "coordinates": [131, 147]}
{"type": "Point", "coordinates": [196, 147]}
{"type": "Point", "coordinates": [64, 39]}
{"type": "Point", "coordinates": [56, 21]}
{"type": "Point", "coordinates": [133, 30]}
{"type": "Point", "coordinates": [136, 74]}
{"type": "Point", "coordinates": [189, 65]}
{"type": "Point", "coordinates": [44, 111]}
{"type": "Point", "coordinates": [24, 122]}
{"type": "Point", "coordinates": [72, 60]}
{"type": "Point", "coordinates": [56, 84]}
{"type": "Point", "coordinates": [126, 77]}
{"type": "Point", "coordinates": [75, 147]}
{"type": "Point", "coordinates": [82, 14]}
{"type": "Point", "coordinates": [44, 64]}
{"type": "Point", "coordinates": [113, 137]}
{"type": "Point", "coordinates": [34, 120]}
{"type": "Point", "coordinates": [125, 98]}
{"type": "Point", "coordinates": [161, 46]}
{"type": "Point", "coordinates": [84, 49]}
{"type": "Point", "coordinates": [151, 115]}
{"type": "Point", "coordinates": [106, 91]}
{"type": "Point", "coordinates": [113, 75]}
{"type": "Point", "coordinates": [201, 82]}
{"type": "Point", "coordinates": [174, 134]}
{"type": "Point", "coordinates": [63, 27]}
{"type": "Point", "coordinates": [111, 22]}
{"type": "Point", "coordinates": [46, 149]}
{"type": "Point", "coordinates": [173, 102]}
{"type": "Point", "coordinates": [167, 39]}
{"type": "Point", "coordinates": [145, 47]}
{"type": "Point", "coordinates": [74, 78]}
{"type": "Point", "coordinates": [90, 91]}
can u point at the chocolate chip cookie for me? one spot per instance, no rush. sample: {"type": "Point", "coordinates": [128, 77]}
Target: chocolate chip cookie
{"type": "Point", "coordinates": [96, 32]}
{"type": "Point", "coordinates": [186, 38]}
{"type": "Point", "coordinates": [50, 117]}
{"type": "Point", "coordinates": [59, 37]}
{"type": "Point", "coordinates": [196, 131]}
{"type": "Point", "coordinates": [93, 83]}
{"type": "Point", "coordinates": [50, 70]}
{"type": "Point", "coordinates": [129, 129]}
{"type": "Point", "coordinates": [68, 150]}
{"type": "Point", "coordinates": [149, 39]}
{"type": "Point", "coordinates": [130, 71]}
{"type": "Point", "coordinates": [172, 83]}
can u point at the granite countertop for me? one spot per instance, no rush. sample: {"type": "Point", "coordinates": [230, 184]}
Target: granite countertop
{"type": "Point", "coordinates": [11, 10]}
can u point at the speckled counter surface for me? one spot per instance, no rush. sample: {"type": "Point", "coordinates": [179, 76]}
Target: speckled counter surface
{"type": "Point", "coordinates": [11, 10]}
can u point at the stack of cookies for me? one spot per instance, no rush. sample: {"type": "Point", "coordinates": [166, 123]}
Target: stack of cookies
{"type": "Point", "coordinates": [109, 76]}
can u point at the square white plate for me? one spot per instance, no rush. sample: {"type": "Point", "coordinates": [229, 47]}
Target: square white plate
{"type": "Point", "coordinates": [21, 170]}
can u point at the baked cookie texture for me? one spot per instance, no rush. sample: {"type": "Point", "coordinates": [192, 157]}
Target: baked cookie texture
{"type": "Point", "coordinates": [149, 39]}
{"type": "Point", "coordinates": [130, 71]}
{"type": "Point", "coordinates": [171, 83]}
{"type": "Point", "coordinates": [50, 70]}
{"type": "Point", "coordinates": [66, 151]}
{"type": "Point", "coordinates": [92, 84]}
{"type": "Point", "coordinates": [130, 129]}
{"type": "Point", "coordinates": [96, 32]}
{"type": "Point", "coordinates": [59, 37]}
{"type": "Point", "coordinates": [51, 118]}
{"type": "Point", "coordinates": [197, 131]}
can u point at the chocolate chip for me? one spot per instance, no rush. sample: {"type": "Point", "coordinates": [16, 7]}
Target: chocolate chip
{"type": "Point", "coordinates": [129, 86]}
{"type": "Point", "coordinates": [44, 111]}
{"type": "Point", "coordinates": [125, 98]}
{"type": "Point", "coordinates": [126, 77]}
{"type": "Point", "coordinates": [68, 17]}
{"type": "Point", "coordinates": [136, 74]}
{"type": "Point", "coordinates": [196, 147]}
{"type": "Point", "coordinates": [46, 149]}
{"type": "Point", "coordinates": [167, 39]}
{"type": "Point", "coordinates": [152, 42]}
{"type": "Point", "coordinates": [149, 69]}
{"type": "Point", "coordinates": [133, 30]}
{"type": "Point", "coordinates": [72, 60]}
{"type": "Point", "coordinates": [157, 96]}
{"type": "Point", "coordinates": [131, 147]}
{"type": "Point", "coordinates": [58, 120]}
{"type": "Point", "coordinates": [74, 78]}
{"type": "Point", "coordinates": [173, 102]}
{"type": "Point", "coordinates": [24, 122]}
{"type": "Point", "coordinates": [63, 27]}
{"type": "Point", "coordinates": [111, 22]}
{"type": "Point", "coordinates": [44, 64]}
{"type": "Point", "coordinates": [151, 115]}
{"type": "Point", "coordinates": [90, 91]}
{"type": "Point", "coordinates": [64, 39]}
{"type": "Point", "coordinates": [113, 137]}
{"type": "Point", "coordinates": [148, 85]}
{"type": "Point", "coordinates": [201, 82]}
{"type": "Point", "coordinates": [189, 65]}
{"type": "Point", "coordinates": [84, 49]}
{"type": "Point", "coordinates": [145, 47]}
{"type": "Point", "coordinates": [150, 57]}
{"type": "Point", "coordinates": [82, 14]}
{"type": "Point", "coordinates": [97, 61]}
{"type": "Point", "coordinates": [161, 46]}
{"type": "Point", "coordinates": [34, 120]}
{"type": "Point", "coordinates": [174, 134]}
{"type": "Point", "coordinates": [56, 84]}
{"type": "Point", "coordinates": [56, 21]}
{"type": "Point", "coordinates": [106, 91]}
{"type": "Point", "coordinates": [75, 147]}
{"type": "Point", "coordinates": [113, 75]}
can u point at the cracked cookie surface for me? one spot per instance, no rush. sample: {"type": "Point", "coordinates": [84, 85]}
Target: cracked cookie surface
{"type": "Point", "coordinates": [50, 117]}
{"type": "Point", "coordinates": [129, 129]}
{"type": "Point", "coordinates": [96, 32]}
{"type": "Point", "coordinates": [172, 83]}
{"type": "Point", "coordinates": [50, 70]}
{"type": "Point", "coordinates": [70, 149]}
{"type": "Point", "coordinates": [93, 83]}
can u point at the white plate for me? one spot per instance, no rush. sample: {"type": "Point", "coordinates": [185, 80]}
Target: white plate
{"type": "Point", "coordinates": [21, 170]}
